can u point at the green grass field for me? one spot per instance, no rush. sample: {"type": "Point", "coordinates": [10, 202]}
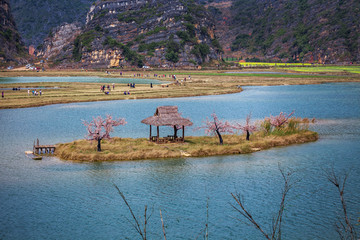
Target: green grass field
{"type": "Point", "coordinates": [245, 74]}
{"type": "Point", "coordinates": [264, 64]}
{"type": "Point", "coordinates": [334, 69]}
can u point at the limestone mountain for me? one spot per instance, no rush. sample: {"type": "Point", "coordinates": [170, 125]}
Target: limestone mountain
{"type": "Point", "coordinates": [182, 32]}
{"type": "Point", "coordinates": [146, 32]}
{"type": "Point", "coordinates": [59, 43]}
{"type": "Point", "coordinates": [11, 47]}
{"type": "Point", "coordinates": [36, 18]}
{"type": "Point", "coordinates": [292, 30]}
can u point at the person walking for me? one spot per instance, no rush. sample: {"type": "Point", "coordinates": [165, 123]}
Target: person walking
{"type": "Point", "coordinates": [2, 94]}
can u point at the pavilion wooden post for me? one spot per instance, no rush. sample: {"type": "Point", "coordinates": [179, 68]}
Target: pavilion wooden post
{"type": "Point", "coordinates": [157, 128]}
{"type": "Point", "coordinates": [150, 134]}
{"type": "Point", "coordinates": [175, 132]}
{"type": "Point", "coordinates": [183, 128]}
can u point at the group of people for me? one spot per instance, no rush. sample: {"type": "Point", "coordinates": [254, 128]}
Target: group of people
{"type": "Point", "coordinates": [34, 92]}
{"type": "Point", "coordinates": [155, 75]}
{"type": "Point", "coordinates": [103, 87]}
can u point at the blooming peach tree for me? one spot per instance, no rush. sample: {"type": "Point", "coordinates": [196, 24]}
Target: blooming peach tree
{"type": "Point", "coordinates": [214, 126]}
{"type": "Point", "coordinates": [100, 128]}
{"type": "Point", "coordinates": [247, 128]}
{"type": "Point", "coordinates": [280, 120]}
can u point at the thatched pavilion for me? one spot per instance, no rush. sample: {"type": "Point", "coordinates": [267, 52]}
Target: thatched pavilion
{"type": "Point", "coordinates": [167, 116]}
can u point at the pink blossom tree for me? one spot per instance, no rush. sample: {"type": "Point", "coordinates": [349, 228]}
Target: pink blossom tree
{"type": "Point", "coordinates": [247, 128]}
{"type": "Point", "coordinates": [100, 128]}
{"type": "Point", "coordinates": [280, 120]}
{"type": "Point", "coordinates": [216, 127]}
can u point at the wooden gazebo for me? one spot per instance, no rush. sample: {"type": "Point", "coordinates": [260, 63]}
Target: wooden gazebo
{"type": "Point", "coordinates": [167, 116]}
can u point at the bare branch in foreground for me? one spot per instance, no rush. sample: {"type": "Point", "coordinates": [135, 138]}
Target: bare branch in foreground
{"type": "Point", "coordinates": [137, 225]}
{"type": "Point", "coordinates": [277, 221]}
{"type": "Point", "coordinates": [162, 224]}
{"type": "Point", "coordinates": [344, 228]}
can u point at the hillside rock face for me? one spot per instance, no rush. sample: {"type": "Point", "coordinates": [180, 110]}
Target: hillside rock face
{"type": "Point", "coordinates": [36, 18]}
{"type": "Point", "coordinates": [11, 47]}
{"type": "Point", "coordinates": [147, 32]}
{"type": "Point", "coordinates": [59, 43]}
{"type": "Point", "coordinates": [296, 30]}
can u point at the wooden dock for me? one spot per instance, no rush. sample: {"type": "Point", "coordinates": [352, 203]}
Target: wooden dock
{"type": "Point", "coordinates": [43, 149]}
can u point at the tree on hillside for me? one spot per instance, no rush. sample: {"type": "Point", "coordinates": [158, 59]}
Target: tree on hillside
{"type": "Point", "coordinates": [216, 127]}
{"type": "Point", "coordinates": [247, 128]}
{"type": "Point", "coordinates": [100, 128]}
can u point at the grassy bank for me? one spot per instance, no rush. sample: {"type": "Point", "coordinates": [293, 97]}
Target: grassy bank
{"type": "Point", "coordinates": [209, 82]}
{"type": "Point", "coordinates": [55, 93]}
{"type": "Point", "coordinates": [118, 149]}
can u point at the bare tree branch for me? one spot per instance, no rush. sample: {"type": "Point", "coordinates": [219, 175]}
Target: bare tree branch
{"type": "Point", "coordinates": [242, 210]}
{"type": "Point", "coordinates": [137, 224]}
{"type": "Point", "coordinates": [345, 229]}
{"type": "Point", "coordinates": [277, 221]}
{"type": "Point", "coordinates": [162, 224]}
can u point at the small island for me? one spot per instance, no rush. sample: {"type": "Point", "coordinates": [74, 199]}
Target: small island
{"type": "Point", "coordinates": [118, 149]}
{"type": "Point", "coordinates": [228, 138]}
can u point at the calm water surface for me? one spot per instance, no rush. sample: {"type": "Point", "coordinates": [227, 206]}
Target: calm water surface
{"type": "Point", "coordinates": [54, 199]}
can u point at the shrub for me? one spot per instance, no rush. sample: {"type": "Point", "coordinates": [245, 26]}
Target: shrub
{"type": "Point", "coordinates": [201, 50]}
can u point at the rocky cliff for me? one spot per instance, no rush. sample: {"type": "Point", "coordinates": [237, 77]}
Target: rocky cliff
{"type": "Point", "coordinates": [59, 44]}
{"type": "Point", "coordinates": [11, 47]}
{"type": "Point", "coordinates": [146, 32]}
{"type": "Point", "coordinates": [296, 30]}
{"type": "Point", "coordinates": [36, 18]}
{"type": "Point", "coordinates": [272, 30]}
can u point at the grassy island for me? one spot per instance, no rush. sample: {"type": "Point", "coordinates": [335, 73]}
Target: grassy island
{"type": "Point", "coordinates": [202, 82]}
{"type": "Point", "coordinates": [118, 149]}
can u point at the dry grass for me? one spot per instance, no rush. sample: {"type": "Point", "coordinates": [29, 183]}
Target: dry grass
{"type": "Point", "coordinates": [118, 149]}
{"type": "Point", "coordinates": [202, 83]}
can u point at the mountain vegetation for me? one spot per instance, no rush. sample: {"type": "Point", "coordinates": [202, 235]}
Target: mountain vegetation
{"type": "Point", "coordinates": [297, 30]}
{"type": "Point", "coordinates": [136, 33]}
{"type": "Point", "coordinates": [36, 18]}
{"type": "Point", "coordinates": [11, 46]}
{"type": "Point", "coordinates": [316, 31]}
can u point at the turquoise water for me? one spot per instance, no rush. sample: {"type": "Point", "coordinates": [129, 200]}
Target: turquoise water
{"type": "Point", "coordinates": [77, 79]}
{"type": "Point", "coordinates": [54, 199]}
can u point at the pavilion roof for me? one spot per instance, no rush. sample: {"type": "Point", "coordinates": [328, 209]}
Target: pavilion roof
{"type": "Point", "coordinates": [167, 116]}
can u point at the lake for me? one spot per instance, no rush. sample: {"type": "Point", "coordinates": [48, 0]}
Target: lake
{"type": "Point", "coordinates": [54, 199]}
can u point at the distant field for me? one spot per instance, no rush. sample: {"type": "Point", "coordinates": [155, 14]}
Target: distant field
{"type": "Point", "coordinates": [264, 64]}
{"type": "Point", "coordinates": [338, 69]}
{"type": "Point", "coordinates": [305, 67]}
{"type": "Point", "coordinates": [279, 75]}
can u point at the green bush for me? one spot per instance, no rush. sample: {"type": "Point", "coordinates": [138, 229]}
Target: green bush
{"type": "Point", "coordinates": [201, 50]}
{"type": "Point", "coordinates": [204, 31]}
{"type": "Point", "coordinates": [172, 50]}
{"type": "Point", "coordinates": [172, 56]}
{"type": "Point", "coordinates": [190, 28]}
{"type": "Point", "coordinates": [183, 35]}
{"type": "Point", "coordinates": [131, 56]}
